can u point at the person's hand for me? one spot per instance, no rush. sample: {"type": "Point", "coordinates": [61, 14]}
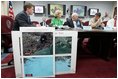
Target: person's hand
{"type": "Point", "coordinates": [114, 28]}
{"type": "Point", "coordinates": [102, 24]}
{"type": "Point", "coordinates": [34, 24]}
{"type": "Point", "coordinates": [81, 20]}
{"type": "Point", "coordinates": [37, 25]}
{"type": "Point", "coordinates": [98, 20]}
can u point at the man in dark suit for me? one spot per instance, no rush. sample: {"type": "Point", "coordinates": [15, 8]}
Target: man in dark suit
{"type": "Point", "coordinates": [74, 21]}
{"type": "Point", "coordinates": [22, 19]}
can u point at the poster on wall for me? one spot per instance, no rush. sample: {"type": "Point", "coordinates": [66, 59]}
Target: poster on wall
{"type": "Point", "coordinates": [65, 51]}
{"type": "Point", "coordinates": [52, 8]}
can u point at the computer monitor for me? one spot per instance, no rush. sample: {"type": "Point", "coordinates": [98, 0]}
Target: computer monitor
{"type": "Point", "coordinates": [39, 9]}
{"type": "Point", "coordinates": [93, 11]}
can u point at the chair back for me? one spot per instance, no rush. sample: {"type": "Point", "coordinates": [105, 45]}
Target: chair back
{"type": "Point", "coordinates": [105, 22]}
{"type": "Point", "coordinates": [86, 23]}
{"type": "Point", "coordinates": [6, 24]}
{"type": "Point", "coordinates": [35, 23]}
{"type": "Point", "coordinates": [48, 21]}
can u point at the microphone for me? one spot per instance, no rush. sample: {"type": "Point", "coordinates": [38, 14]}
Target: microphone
{"type": "Point", "coordinates": [67, 10]}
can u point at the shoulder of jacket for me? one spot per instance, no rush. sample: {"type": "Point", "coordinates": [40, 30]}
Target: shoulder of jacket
{"type": "Point", "coordinates": [21, 14]}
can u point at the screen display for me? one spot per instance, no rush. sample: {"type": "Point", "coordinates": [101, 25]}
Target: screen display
{"type": "Point", "coordinates": [39, 9]}
{"type": "Point", "coordinates": [93, 11]}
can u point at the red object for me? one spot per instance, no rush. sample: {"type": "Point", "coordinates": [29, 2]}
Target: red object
{"type": "Point", "coordinates": [6, 24]}
{"type": "Point", "coordinates": [86, 23]}
{"type": "Point", "coordinates": [7, 40]}
{"type": "Point", "coordinates": [105, 22]}
{"type": "Point", "coordinates": [85, 42]}
{"type": "Point", "coordinates": [7, 59]}
{"type": "Point", "coordinates": [48, 21]}
{"type": "Point", "coordinates": [11, 13]}
{"type": "Point", "coordinates": [115, 22]}
{"type": "Point", "coordinates": [28, 75]}
{"type": "Point", "coordinates": [35, 23]}
{"type": "Point", "coordinates": [8, 73]}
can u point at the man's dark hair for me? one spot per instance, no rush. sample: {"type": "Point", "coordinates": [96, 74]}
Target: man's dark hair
{"type": "Point", "coordinates": [28, 5]}
{"type": "Point", "coordinates": [98, 14]}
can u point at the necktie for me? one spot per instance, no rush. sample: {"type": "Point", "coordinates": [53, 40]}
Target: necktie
{"type": "Point", "coordinates": [114, 22]}
{"type": "Point", "coordinates": [75, 24]}
{"type": "Point", "coordinates": [29, 19]}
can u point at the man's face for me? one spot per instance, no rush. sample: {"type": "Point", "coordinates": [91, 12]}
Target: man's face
{"type": "Point", "coordinates": [59, 15]}
{"type": "Point", "coordinates": [97, 17]}
{"type": "Point", "coordinates": [75, 18]}
{"type": "Point", "coordinates": [106, 14]}
{"type": "Point", "coordinates": [30, 10]}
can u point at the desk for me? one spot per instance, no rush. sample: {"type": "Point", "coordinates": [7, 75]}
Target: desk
{"type": "Point", "coordinates": [98, 33]}
{"type": "Point", "coordinates": [101, 41]}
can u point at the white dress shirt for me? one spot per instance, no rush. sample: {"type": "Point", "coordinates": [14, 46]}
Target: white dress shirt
{"type": "Point", "coordinates": [110, 23]}
{"type": "Point", "coordinates": [75, 24]}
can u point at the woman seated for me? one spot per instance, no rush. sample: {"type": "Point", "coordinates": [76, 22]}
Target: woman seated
{"type": "Point", "coordinates": [56, 21]}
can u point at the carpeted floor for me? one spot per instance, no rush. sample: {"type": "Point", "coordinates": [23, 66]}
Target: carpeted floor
{"type": "Point", "coordinates": [94, 68]}
{"type": "Point", "coordinates": [87, 67]}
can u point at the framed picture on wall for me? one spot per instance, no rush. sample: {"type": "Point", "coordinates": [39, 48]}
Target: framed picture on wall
{"type": "Point", "coordinates": [93, 11]}
{"type": "Point", "coordinates": [79, 9]}
{"type": "Point", "coordinates": [53, 7]}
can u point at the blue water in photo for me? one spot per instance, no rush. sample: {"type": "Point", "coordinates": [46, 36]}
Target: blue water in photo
{"type": "Point", "coordinates": [63, 64]}
{"type": "Point", "coordinates": [38, 66]}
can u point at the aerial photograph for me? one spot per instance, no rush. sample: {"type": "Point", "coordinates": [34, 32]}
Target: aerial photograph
{"type": "Point", "coordinates": [38, 66]}
{"type": "Point", "coordinates": [63, 64]}
{"type": "Point", "coordinates": [63, 45]}
{"type": "Point", "coordinates": [37, 43]}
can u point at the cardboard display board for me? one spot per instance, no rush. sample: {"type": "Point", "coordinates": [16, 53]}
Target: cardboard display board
{"type": "Point", "coordinates": [44, 52]}
{"type": "Point", "coordinates": [17, 53]}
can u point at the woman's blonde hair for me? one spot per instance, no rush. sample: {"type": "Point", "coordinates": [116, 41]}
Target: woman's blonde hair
{"type": "Point", "coordinates": [57, 12]}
